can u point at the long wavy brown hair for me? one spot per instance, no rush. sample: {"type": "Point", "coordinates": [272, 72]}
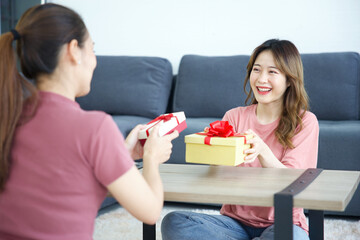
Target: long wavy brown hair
{"type": "Point", "coordinates": [42, 30]}
{"type": "Point", "coordinates": [295, 102]}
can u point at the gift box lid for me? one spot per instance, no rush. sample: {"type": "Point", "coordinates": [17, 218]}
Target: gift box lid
{"type": "Point", "coordinates": [165, 126]}
{"type": "Point", "coordinates": [220, 141]}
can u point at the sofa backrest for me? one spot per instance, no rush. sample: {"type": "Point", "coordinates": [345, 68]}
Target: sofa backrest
{"type": "Point", "coordinates": [209, 86]}
{"type": "Point", "coordinates": [128, 85]}
{"type": "Point", "coordinates": [332, 81]}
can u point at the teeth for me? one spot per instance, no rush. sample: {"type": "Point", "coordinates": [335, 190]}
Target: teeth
{"type": "Point", "coordinates": [264, 89]}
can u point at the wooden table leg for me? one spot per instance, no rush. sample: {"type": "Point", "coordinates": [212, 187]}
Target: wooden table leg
{"type": "Point", "coordinates": [316, 224]}
{"type": "Point", "coordinates": [149, 232]}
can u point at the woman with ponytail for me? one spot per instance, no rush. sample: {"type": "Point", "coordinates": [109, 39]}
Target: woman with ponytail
{"type": "Point", "coordinates": [57, 161]}
{"type": "Point", "coordinates": [285, 136]}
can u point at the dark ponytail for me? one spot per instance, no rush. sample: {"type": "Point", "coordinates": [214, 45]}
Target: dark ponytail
{"type": "Point", "coordinates": [40, 34]}
{"type": "Point", "coordinates": [12, 89]}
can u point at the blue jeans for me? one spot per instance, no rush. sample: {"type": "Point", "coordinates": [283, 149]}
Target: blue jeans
{"type": "Point", "coordinates": [180, 225]}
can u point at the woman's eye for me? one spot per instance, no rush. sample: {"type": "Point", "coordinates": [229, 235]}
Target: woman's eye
{"type": "Point", "coordinates": [256, 69]}
{"type": "Point", "coordinates": [273, 72]}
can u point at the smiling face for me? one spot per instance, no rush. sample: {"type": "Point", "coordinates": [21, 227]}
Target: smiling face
{"type": "Point", "coordinates": [267, 82]}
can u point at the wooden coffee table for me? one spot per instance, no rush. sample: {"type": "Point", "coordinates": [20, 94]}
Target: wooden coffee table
{"type": "Point", "coordinates": [330, 190]}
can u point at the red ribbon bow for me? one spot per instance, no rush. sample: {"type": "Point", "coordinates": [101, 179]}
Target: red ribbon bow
{"type": "Point", "coordinates": [220, 129]}
{"type": "Point", "coordinates": [164, 117]}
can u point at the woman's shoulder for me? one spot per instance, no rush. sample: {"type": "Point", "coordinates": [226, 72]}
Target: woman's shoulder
{"type": "Point", "coordinates": [310, 121]}
{"type": "Point", "coordinates": [94, 124]}
{"type": "Point", "coordinates": [309, 117]}
{"type": "Point", "coordinates": [94, 117]}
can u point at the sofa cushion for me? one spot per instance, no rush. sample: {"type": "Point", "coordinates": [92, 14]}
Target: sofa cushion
{"type": "Point", "coordinates": [332, 81]}
{"type": "Point", "coordinates": [338, 150]}
{"type": "Point", "coordinates": [338, 145]}
{"type": "Point", "coordinates": [209, 86]}
{"type": "Point", "coordinates": [127, 85]}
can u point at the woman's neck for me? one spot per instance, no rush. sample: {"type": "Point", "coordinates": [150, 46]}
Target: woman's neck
{"type": "Point", "coordinates": [268, 113]}
{"type": "Point", "coordinates": [51, 83]}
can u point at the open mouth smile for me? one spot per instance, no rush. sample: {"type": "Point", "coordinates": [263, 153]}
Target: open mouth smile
{"type": "Point", "coordinates": [263, 90]}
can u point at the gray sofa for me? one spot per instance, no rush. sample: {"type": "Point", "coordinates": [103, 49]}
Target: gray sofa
{"type": "Point", "coordinates": [137, 89]}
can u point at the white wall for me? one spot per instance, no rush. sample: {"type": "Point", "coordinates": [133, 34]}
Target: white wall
{"type": "Point", "coordinates": [172, 28]}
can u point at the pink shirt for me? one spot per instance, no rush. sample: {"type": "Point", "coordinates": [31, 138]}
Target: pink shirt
{"type": "Point", "coordinates": [61, 162]}
{"type": "Point", "coordinates": [303, 156]}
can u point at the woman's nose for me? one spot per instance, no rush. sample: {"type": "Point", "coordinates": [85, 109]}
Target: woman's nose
{"type": "Point", "coordinates": [263, 78]}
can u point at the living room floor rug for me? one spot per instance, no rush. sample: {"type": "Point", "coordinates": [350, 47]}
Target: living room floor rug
{"type": "Point", "coordinates": [118, 224]}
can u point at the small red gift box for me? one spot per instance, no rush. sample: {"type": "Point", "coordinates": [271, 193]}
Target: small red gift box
{"type": "Point", "coordinates": [168, 123]}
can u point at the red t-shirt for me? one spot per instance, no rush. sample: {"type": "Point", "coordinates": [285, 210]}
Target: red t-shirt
{"type": "Point", "coordinates": [61, 162]}
{"type": "Point", "coordinates": [303, 156]}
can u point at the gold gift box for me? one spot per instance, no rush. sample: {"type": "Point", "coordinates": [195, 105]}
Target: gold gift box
{"type": "Point", "coordinates": [222, 151]}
